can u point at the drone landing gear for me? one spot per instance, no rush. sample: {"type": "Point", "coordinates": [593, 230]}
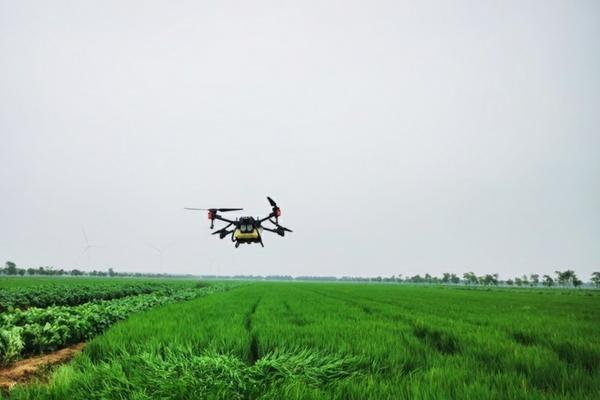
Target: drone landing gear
{"type": "Point", "coordinates": [237, 244]}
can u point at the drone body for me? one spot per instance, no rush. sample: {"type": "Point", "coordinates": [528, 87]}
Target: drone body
{"type": "Point", "coordinates": [246, 229]}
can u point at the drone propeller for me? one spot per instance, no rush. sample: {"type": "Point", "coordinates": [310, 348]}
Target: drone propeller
{"type": "Point", "coordinates": [214, 210]}
{"type": "Point", "coordinates": [276, 209]}
{"type": "Point", "coordinates": [279, 226]}
{"type": "Point", "coordinates": [281, 231]}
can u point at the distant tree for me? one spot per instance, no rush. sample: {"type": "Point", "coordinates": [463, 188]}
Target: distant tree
{"type": "Point", "coordinates": [561, 277]}
{"type": "Point", "coordinates": [454, 278]}
{"type": "Point", "coordinates": [21, 271]}
{"type": "Point", "coordinates": [535, 279]}
{"type": "Point", "coordinates": [510, 282]}
{"type": "Point", "coordinates": [571, 275]}
{"type": "Point", "coordinates": [466, 277]}
{"type": "Point", "coordinates": [490, 279]}
{"type": "Point", "coordinates": [470, 278]}
{"type": "Point", "coordinates": [596, 278]}
{"type": "Point", "coordinates": [446, 277]}
{"type": "Point", "coordinates": [416, 279]}
{"type": "Point", "coordinates": [111, 272]}
{"type": "Point", "coordinates": [11, 268]}
{"type": "Point", "coordinates": [525, 280]}
{"type": "Point", "coordinates": [518, 281]}
{"type": "Point", "coordinates": [548, 281]}
{"type": "Point", "coordinates": [427, 278]}
{"type": "Point", "coordinates": [30, 271]}
{"type": "Point", "coordinates": [567, 277]}
{"type": "Point", "coordinates": [576, 281]}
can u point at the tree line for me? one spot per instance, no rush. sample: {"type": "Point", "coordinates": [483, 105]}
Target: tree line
{"type": "Point", "coordinates": [567, 278]}
{"type": "Point", "coordinates": [10, 268]}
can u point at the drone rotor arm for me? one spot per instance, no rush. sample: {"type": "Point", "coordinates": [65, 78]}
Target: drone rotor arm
{"type": "Point", "coordinates": [280, 226]}
{"type": "Point", "coordinates": [223, 231]}
{"type": "Point", "coordinates": [280, 230]}
{"type": "Point", "coordinates": [268, 229]}
{"type": "Point", "coordinates": [217, 216]}
{"type": "Point", "coordinates": [268, 217]}
{"type": "Point", "coordinates": [223, 228]}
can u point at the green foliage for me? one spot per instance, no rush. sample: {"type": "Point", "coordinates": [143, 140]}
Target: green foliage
{"type": "Point", "coordinates": [345, 341]}
{"type": "Point", "coordinates": [470, 278]}
{"type": "Point", "coordinates": [548, 281]}
{"type": "Point", "coordinates": [11, 343]}
{"type": "Point", "coordinates": [567, 278]}
{"type": "Point", "coordinates": [596, 278]}
{"type": "Point", "coordinates": [535, 279]}
{"type": "Point", "coordinates": [39, 330]}
{"type": "Point", "coordinates": [11, 268]}
{"type": "Point", "coordinates": [181, 373]}
{"type": "Point", "coordinates": [72, 292]}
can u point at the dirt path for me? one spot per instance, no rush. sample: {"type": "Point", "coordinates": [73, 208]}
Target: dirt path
{"type": "Point", "coordinates": [24, 369]}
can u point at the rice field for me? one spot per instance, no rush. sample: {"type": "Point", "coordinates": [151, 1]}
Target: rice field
{"type": "Point", "coordinates": [344, 341]}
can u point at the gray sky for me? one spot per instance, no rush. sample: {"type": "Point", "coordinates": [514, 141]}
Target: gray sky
{"type": "Point", "coordinates": [398, 137]}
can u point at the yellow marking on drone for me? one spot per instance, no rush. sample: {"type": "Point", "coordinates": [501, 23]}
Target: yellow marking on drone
{"type": "Point", "coordinates": [245, 235]}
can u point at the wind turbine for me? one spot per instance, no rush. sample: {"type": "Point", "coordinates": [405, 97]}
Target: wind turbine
{"type": "Point", "coordinates": [88, 247]}
{"type": "Point", "coordinates": [160, 251]}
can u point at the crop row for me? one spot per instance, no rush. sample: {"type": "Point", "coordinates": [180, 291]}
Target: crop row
{"type": "Point", "coordinates": [39, 330]}
{"type": "Point", "coordinates": [72, 295]}
{"type": "Point", "coordinates": [334, 341]}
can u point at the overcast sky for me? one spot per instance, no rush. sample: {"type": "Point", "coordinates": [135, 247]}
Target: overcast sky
{"type": "Point", "coordinates": [397, 137]}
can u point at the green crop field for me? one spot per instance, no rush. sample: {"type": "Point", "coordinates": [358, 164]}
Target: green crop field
{"type": "Point", "coordinates": [40, 316]}
{"type": "Point", "coordinates": [344, 341]}
{"type": "Point", "coordinates": [45, 292]}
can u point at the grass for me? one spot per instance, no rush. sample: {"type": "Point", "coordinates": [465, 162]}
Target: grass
{"type": "Point", "coordinates": [345, 341]}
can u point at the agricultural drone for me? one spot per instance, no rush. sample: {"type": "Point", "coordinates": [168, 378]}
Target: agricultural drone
{"type": "Point", "coordinates": [245, 229]}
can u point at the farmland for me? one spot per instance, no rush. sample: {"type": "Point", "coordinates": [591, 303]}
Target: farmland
{"type": "Point", "coordinates": [55, 313]}
{"type": "Point", "coordinates": [41, 293]}
{"type": "Point", "coordinates": [315, 340]}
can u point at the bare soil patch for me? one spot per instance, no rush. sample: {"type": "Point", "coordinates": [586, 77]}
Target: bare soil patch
{"type": "Point", "coordinates": [23, 370]}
